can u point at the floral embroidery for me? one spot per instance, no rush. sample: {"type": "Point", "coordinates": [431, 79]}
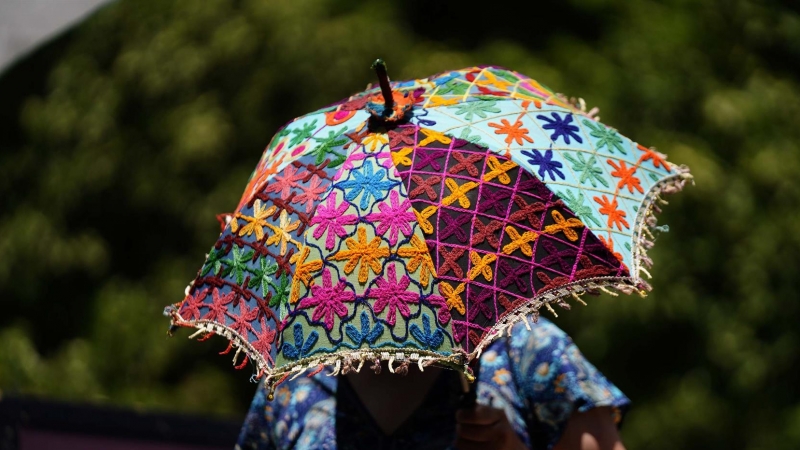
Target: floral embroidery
{"type": "Point", "coordinates": [331, 219]}
{"type": "Point", "coordinates": [396, 217]}
{"type": "Point", "coordinates": [393, 294]}
{"type": "Point", "coordinates": [562, 128]}
{"type": "Point", "coordinates": [514, 132]}
{"type": "Point", "coordinates": [610, 208]}
{"type": "Point", "coordinates": [606, 137]}
{"type": "Point", "coordinates": [328, 299]}
{"type": "Point", "coordinates": [545, 163]}
{"type": "Point", "coordinates": [370, 183]}
{"type": "Point", "coordinates": [359, 252]}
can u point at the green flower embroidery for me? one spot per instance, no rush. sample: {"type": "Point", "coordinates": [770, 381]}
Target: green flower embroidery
{"type": "Point", "coordinates": [326, 145]}
{"type": "Point", "coordinates": [586, 169]}
{"type": "Point", "coordinates": [476, 108]}
{"type": "Point", "coordinates": [606, 137]}
{"type": "Point", "coordinates": [575, 203]}
{"type": "Point", "coordinates": [476, 139]}
{"type": "Point", "coordinates": [263, 275]}
{"type": "Point", "coordinates": [301, 134]}
{"type": "Point", "coordinates": [454, 87]}
{"type": "Point", "coordinates": [237, 264]}
{"type": "Point", "coordinates": [282, 291]}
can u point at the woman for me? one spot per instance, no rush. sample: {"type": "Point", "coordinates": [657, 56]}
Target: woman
{"type": "Point", "coordinates": [535, 391]}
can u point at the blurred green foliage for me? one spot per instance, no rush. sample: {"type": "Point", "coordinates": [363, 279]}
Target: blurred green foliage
{"type": "Point", "coordinates": [122, 140]}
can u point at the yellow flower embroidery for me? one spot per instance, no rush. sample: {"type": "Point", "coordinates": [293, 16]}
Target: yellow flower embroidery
{"type": "Point", "coordinates": [256, 222]}
{"type": "Point", "coordinates": [438, 100]}
{"type": "Point", "coordinates": [480, 266]}
{"type": "Point", "coordinates": [498, 169]}
{"type": "Point", "coordinates": [363, 253]}
{"type": "Point", "coordinates": [418, 256]}
{"type": "Point", "coordinates": [453, 296]}
{"type": "Point", "coordinates": [492, 80]}
{"type": "Point", "coordinates": [519, 242]}
{"type": "Point", "coordinates": [422, 218]}
{"type": "Point", "coordinates": [433, 135]}
{"type": "Point", "coordinates": [282, 236]}
{"type": "Point", "coordinates": [566, 226]}
{"type": "Point", "coordinates": [303, 271]}
{"type": "Point", "coordinates": [458, 192]}
{"type": "Point", "coordinates": [400, 157]}
{"type": "Point", "coordinates": [375, 140]}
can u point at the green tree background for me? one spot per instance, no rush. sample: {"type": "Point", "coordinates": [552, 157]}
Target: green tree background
{"type": "Point", "coordinates": [124, 137]}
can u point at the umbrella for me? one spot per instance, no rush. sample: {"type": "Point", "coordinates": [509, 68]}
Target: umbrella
{"type": "Point", "coordinates": [417, 221]}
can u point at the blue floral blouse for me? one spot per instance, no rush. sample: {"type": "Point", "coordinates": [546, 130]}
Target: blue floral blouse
{"type": "Point", "coordinates": [538, 377]}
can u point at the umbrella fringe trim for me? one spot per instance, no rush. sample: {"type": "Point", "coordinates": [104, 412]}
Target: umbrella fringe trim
{"type": "Point", "coordinates": [342, 363]}
{"type": "Point", "coordinates": [645, 221]}
{"type": "Point", "coordinates": [208, 328]}
{"type": "Point", "coordinates": [353, 361]}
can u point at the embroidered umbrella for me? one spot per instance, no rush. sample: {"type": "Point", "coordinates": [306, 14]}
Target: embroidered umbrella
{"type": "Point", "coordinates": [416, 222]}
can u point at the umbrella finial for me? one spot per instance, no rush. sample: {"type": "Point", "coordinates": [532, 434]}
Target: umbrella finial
{"type": "Point", "coordinates": [379, 66]}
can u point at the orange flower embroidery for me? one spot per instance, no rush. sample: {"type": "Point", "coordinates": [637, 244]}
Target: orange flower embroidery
{"type": "Point", "coordinates": [626, 176]}
{"type": "Point", "coordinates": [433, 136]}
{"type": "Point", "coordinates": [519, 242]}
{"type": "Point", "coordinates": [400, 157]}
{"type": "Point", "coordinates": [359, 252]}
{"type": "Point", "coordinates": [566, 226]}
{"type": "Point", "coordinates": [609, 208]}
{"type": "Point", "coordinates": [480, 266]}
{"type": "Point", "coordinates": [422, 218]}
{"type": "Point", "coordinates": [658, 158]}
{"type": "Point", "coordinates": [453, 296]}
{"type": "Point", "coordinates": [256, 222]}
{"type": "Point", "coordinates": [418, 256]}
{"type": "Point", "coordinates": [498, 170]}
{"type": "Point", "coordinates": [458, 193]}
{"type": "Point", "coordinates": [303, 271]}
{"type": "Point", "coordinates": [514, 132]}
{"type": "Point", "coordinates": [610, 246]}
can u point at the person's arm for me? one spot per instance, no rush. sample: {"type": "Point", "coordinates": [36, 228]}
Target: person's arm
{"type": "Point", "coordinates": [591, 430]}
{"type": "Point", "coordinates": [485, 427]}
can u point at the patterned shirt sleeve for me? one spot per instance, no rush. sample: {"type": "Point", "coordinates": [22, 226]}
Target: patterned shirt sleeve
{"type": "Point", "coordinates": [539, 377]}
{"type": "Point", "coordinates": [555, 380]}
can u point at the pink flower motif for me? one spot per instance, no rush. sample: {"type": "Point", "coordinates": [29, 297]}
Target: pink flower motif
{"type": "Point", "coordinates": [311, 193]}
{"type": "Point", "coordinates": [384, 159]}
{"type": "Point", "coordinates": [397, 217]}
{"type": "Point", "coordinates": [284, 183]}
{"type": "Point", "coordinates": [441, 305]}
{"type": "Point", "coordinates": [328, 299]}
{"type": "Point", "coordinates": [392, 293]}
{"type": "Point", "coordinates": [330, 218]}
{"type": "Point", "coordinates": [219, 306]}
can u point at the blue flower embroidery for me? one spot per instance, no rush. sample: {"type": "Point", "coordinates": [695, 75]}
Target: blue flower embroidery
{"type": "Point", "coordinates": [428, 339]}
{"type": "Point", "coordinates": [545, 163]}
{"type": "Point", "coordinates": [301, 346]}
{"type": "Point", "coordinates": [370, 336]}
{"type": "Point", "coordinates": [367, 181]}
{"type": "Point", "coordinates": [561, 127]}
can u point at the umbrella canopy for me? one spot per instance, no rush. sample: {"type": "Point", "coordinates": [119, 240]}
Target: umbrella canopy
{"type": "Point", "coordinates": [420, 229]}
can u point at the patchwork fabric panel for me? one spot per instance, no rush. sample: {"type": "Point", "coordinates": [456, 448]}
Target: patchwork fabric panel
{"type": "Point", "coordinates": [365, 279]}
{"type": "Point", "coordinates": [499, 236]}
{"type": "Point", "coordinates": [246, 279]}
